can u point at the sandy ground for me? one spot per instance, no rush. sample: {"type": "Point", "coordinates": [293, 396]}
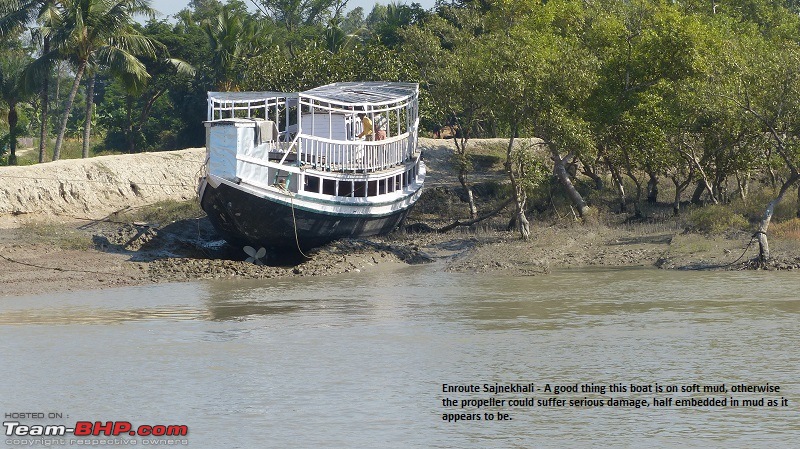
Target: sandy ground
{"type": "Point", "coordinates": [59, 234]}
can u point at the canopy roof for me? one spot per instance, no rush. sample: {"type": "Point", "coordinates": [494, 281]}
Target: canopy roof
{"type": "Point", "coordinates": [363, 93]}
{"type": "Point", "coordinates": [346, 94]}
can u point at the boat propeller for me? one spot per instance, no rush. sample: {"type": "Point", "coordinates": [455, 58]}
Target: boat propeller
{"type": "Point", "coordinates": [255, 256]}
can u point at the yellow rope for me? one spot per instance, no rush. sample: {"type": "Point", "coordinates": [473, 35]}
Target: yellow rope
{"type": "Point", "coordinates": [294, 220]}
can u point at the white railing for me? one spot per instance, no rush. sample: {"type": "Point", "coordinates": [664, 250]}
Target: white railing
{"type": "Point", "coordinates": [336, 155]}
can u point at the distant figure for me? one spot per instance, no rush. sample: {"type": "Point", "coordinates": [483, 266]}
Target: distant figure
{"type": "Point", "coordinates": [380, 127]}
{"type": "Point", "coordinates": [366, 127]}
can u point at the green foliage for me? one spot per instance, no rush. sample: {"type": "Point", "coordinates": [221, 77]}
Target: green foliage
{"type": "Point", "coordinates": [280, 72]}
{"type": "Point", "coordinates": [715, 219]}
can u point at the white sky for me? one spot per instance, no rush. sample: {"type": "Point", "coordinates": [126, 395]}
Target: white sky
{"type": "Point", "coordinates": [169, 7]}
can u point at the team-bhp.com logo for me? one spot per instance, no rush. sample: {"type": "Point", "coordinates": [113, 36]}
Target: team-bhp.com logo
{"type": "Point", "coordinates": [97, 428]}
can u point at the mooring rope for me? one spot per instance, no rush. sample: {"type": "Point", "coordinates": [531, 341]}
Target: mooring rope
{"type": "Point", "coordinates": [56, 268]}
{"type": "Point", "coordinates": [294, 221]}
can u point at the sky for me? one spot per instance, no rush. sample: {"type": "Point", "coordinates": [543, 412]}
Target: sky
{"type": "Point", "coordinates": [169, 7]}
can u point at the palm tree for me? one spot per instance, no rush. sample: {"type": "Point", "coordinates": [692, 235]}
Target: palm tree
{"type": "Point", "coordinates": [97, 33]}
{"type": "Point", "coordinates": [336, 39]}
{"type": "Point", "coordinates": [15, 14]}
{"type": "Point", "coordinates": [231, 38]}
{"type": "Point", "coordinates": [11, 70]}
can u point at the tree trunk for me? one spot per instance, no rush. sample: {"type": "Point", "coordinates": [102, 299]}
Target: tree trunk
{"type": "Point", "coordinates": [462, 178]}
{"type": "Point", "coordinates": [742, 184]}
{"type": "Point", "coordinates": [698, 192]}
{"type": "Point", "coordinates": [560, 170]}
{"type": "Point", "coordinates": [615, 176]}
{"type": "Point", "coordinates": [87, 125]}
{"type": "Point", "coordinates": [129, 124]}
{"type": "Point", "coordinates": [652, 189]}
{"type": "Point", "coordinates": [13, 119]}
{"type": "Point", "coordinates": [520, 196]}
{"type": "Point", "coordinates": [457, 223]}
{"type": "Point", "coordinates": [67, 110]}
{"type": "Point", "coordinates": [798, 202]}
{"type": "Point", "coordinates": [637, 209]}
{"type": "Point", "coordinates": [461, 149]}
{"type": "Point", "coordinates": [679, 188]}
{"type": "Point", "coordinates": [589, 171]}
{"type": "Point", "coordinates": [676, 203]}
{"type": "Point", "coordinates": [44, 94]}
{"type": "Point", "coordinates": [763, 242]}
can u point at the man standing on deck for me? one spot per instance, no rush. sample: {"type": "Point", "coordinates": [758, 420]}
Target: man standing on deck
{"type": "Point", "coordinates": [366, 127]}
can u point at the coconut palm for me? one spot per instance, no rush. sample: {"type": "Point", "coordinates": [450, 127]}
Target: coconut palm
{"type": "Point", "coordinates": [11, 69]}
{"type": "Point", "coordinates": [232, 37]}
{"type": "Point", "coordinates": [96, 33]}
{"type": "Point", "coordinates": [47, 15]}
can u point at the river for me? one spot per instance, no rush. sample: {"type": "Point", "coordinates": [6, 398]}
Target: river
{"type": "Point", "coordinates": [359, 360]}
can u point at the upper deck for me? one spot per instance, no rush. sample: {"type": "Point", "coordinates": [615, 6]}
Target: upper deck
{"type": "Point", "coordinates": [314, 129]}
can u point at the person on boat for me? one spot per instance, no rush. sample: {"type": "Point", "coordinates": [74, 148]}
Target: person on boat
{"type": "Point", "coordinates": [380, 127]}
{"type": "Point", "coordinates": [366, 127]}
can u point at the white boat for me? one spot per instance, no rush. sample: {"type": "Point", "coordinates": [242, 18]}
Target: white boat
{"type": "Point", "coordinates": [287, 170]}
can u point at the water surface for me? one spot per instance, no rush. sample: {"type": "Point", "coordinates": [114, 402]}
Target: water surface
{"type": "Point", "coordinates": [359, 360]}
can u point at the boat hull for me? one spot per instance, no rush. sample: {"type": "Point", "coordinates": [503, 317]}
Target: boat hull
{"type": "Point", "coordinates": [246, 218]}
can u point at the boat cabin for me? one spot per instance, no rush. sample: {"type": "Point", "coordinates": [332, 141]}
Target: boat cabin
{"type": "Point", "coordinates": [308, 142]}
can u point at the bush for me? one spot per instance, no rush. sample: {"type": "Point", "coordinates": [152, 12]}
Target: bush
{"type": "Point", "coordinates": [715, 219]}
{"type": "Point", "coordinates": [754, 205]}
{"type": "Point", "coordinates": [789, 230]}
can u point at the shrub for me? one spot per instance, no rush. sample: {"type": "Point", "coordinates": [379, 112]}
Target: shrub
{"type": "Point", "coordinates": [715, 219]}
{"type": "Point", "coordinates": [789, 230]}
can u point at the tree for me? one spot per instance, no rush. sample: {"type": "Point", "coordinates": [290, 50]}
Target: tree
{"type": "Point", "coordinates": [12, 66]}
{"type": "Point", "coordinates": [769, 93]}
{"type": "Point", "coordinates": [232, 36]}
{"type": "Point", "coordinates": [100, 33]}
{"type": "Point", "coordinates": [147, 117]}
{"type": "Point", "coordinates": [453, 74]}
{"type": "Point", "coordinates": [298, 16]}
{"type": "Point", "coordinates": [47, 14]}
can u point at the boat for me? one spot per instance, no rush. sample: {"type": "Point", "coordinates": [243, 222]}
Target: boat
{"type": "Point", "coordinates": [292, 171]}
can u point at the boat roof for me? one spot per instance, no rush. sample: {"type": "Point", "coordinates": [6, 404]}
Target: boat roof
{"type": "Point", "coordinates": [360, 93]}
{"type": "Point", "coordinates": [346, 93]}
{"type": "Point", "coordinates": [243, 97]}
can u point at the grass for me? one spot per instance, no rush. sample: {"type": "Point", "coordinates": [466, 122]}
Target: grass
{"type": "Point", "coordinates": [164, 212]}
{"type": "Point", "coordinates": [787, 230]}
{"type": "Point", "coordinates": [71, 149]}
{"type": "Point", "coordinates": [715, 219]}
{"type": "Point", "coordinates": [58, 235]}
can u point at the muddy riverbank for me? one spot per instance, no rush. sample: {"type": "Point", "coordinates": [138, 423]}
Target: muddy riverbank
{"type": "Point", "coordinates": [63, 229]}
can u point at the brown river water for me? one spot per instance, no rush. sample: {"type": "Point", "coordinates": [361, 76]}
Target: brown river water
{"type": "Point", "coordinates": [359, 360]}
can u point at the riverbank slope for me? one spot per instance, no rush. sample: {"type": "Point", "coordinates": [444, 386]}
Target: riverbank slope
{"type": "Point", "coordinates": [132, 219]}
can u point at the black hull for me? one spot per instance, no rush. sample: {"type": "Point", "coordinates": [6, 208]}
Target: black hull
{"type": "Point", "coordinates": [246, 219]}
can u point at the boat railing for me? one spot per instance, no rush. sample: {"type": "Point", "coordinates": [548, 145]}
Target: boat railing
{"type": "Point", "coordinates": [336, 155]}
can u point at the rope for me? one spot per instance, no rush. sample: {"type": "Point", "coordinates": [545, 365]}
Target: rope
{"type": "Point", "coordinates": [752, 239]}
{"type": "Point", "coordinates": [55, 268]}
{"type": "Point", "coordinates": [294, 221]}
{"type": "Point", "coordinates": [750, 243]}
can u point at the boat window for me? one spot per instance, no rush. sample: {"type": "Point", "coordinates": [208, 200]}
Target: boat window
{"type": "Point", "coordinates": [398, 182]}
{"type": "Point", "coordinates": [345, 188]}
{"type": "Point", "coordinates": [328, 186]}
{"type": "Point", "coordinates": [381, 186]}
{"type": "Point", "coordinates": [405, 179]}
{"type": "Point", "coordinates": [312, 184]}
{"type": "Point", "coordinates": [360, 189]}
{"type": "Point", "coordinates": [390, 184]}
{"type": "Point", "coordinates": [372, 188]}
